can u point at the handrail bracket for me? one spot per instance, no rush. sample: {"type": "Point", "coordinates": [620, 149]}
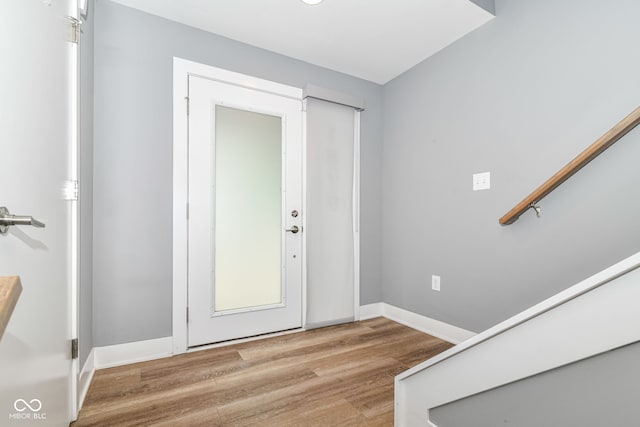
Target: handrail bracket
{"type": "Point", "coordinates": [536, 208]}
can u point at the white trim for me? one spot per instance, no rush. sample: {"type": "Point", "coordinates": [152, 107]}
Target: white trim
{"type": "Point", "coordinates": [86, 376]}
{"type": "Point", "coordinates": [82, 7]}
{"type": "Point", "coordinates": [436, 328]}
{"type": "Point", "coordinates": [133, 352]}
{"type": "Point", "coordinates": [442, 330]}
{"type": "Point", "coordinates": [231, 77]}
{"type": "Point", "coordinates": [304, 212]}
{"type": "Point", "coordinates": [371, 311]}
{"type": "Point", "coordinates": [74, 211]}
{"type": "Point", "coordinates": [590, 313]}
{"type": "Point", "coordinates": [180, 197]}
{"type": "Point", "coordinates": [356, 215]}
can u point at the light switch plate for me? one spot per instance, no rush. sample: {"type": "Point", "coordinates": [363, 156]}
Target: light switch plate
{"type": "Point", "coordinates": [435, 283]}
{"type": "Point", "coordinates": [481, 181]}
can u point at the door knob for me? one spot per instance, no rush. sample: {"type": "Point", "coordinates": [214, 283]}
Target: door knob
{"type": "Point", "coordinates": [294, 229]}
{"type": "Point", "coordinates": [6, 219]}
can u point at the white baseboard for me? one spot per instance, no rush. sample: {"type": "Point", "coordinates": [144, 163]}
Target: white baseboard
{"type": "Point", "coordinates": [370, 311]}
{"type": "Point", "coordinates": [86, 375]}
{"type": "Point", "coordinates": [133, 352]}
{"type": "Point", "coordinates": [444, 331]}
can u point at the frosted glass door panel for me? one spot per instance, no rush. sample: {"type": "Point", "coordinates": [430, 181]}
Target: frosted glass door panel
{"type": "Point", "coordinates": [248, 210]}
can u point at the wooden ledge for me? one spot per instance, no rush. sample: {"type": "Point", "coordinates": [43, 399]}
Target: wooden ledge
{"type": "Point", "coordinates": [10, 289]}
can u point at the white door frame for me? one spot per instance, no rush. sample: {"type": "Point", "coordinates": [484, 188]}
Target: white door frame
{"type": "Point", "coordinates": [72, 195]}
{"type": "Point", "coordinates": [356, 216]}
{"type": "Point", "coordinates": [182, 69]}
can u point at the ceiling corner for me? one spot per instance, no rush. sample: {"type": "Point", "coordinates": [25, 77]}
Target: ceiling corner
{"type": "Point", "coordinates": [488, 5]}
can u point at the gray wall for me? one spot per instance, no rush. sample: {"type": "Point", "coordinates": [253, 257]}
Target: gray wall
{"type": "Point", "coordinates": [133, 161]}
{"type": "Point", "coordinates": [596, 392]}
{"type": "Point", "coordinates": [85, 320]}
{"type": "Point", "coordinates": [520, 97]}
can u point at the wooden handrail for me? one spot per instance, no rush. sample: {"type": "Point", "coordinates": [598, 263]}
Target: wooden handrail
{"type": "Point", "coordinates": [593, 151]}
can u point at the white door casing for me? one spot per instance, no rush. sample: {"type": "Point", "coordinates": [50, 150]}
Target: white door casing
{"type": "Point", "coordinates": [205, 88]}
{"type": "Point", "coordinates": [37, 134]}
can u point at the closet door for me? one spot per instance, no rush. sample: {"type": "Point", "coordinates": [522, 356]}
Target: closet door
{"type": "Point", "coordinates": [331, 214]}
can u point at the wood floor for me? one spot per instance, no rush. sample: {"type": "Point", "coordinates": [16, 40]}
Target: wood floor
{"type": "Point", "coordinates": [335, 376]}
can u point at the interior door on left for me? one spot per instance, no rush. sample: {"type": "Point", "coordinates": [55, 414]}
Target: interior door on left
{"type": "Point", "coordinates": [35, 137]}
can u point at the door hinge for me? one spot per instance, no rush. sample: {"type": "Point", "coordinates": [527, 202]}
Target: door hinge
{"type": "Point", "coordinates": [187, 314]}
{"type": "Point", "coordinates": [74, 32]}
{"type": "Point", "coordinates": [187, 210]}
{"type": "Point", "coordinates": [186, 98]}
{"type": "Point", "coordinates": [74, 348]}
{"type": "Point", "coordinates": [70, 190]}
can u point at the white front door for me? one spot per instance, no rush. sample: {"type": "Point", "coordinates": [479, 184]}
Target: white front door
{"type": "Point", "coordinates": [245, 219]}
{"type": "Point", "coordinates": [36, 378]}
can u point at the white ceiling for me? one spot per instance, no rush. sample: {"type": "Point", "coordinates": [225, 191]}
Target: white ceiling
{"type": "Point", "coordinates": [374, 40]}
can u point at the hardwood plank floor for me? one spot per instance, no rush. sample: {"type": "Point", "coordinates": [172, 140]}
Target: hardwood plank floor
{"type": "Point", "coordinates": [336, 376]}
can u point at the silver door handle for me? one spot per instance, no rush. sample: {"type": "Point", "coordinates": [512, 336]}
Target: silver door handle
{"type": "Point", "coordinates": [294, 229]}
{"type": "Point", "coordinates": [7, 220]}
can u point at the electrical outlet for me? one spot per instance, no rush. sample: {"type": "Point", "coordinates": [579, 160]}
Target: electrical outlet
{"type": "Point", "coordinates": [481, 181]}
{"type": "Point", "coordinates": [435, 283]}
